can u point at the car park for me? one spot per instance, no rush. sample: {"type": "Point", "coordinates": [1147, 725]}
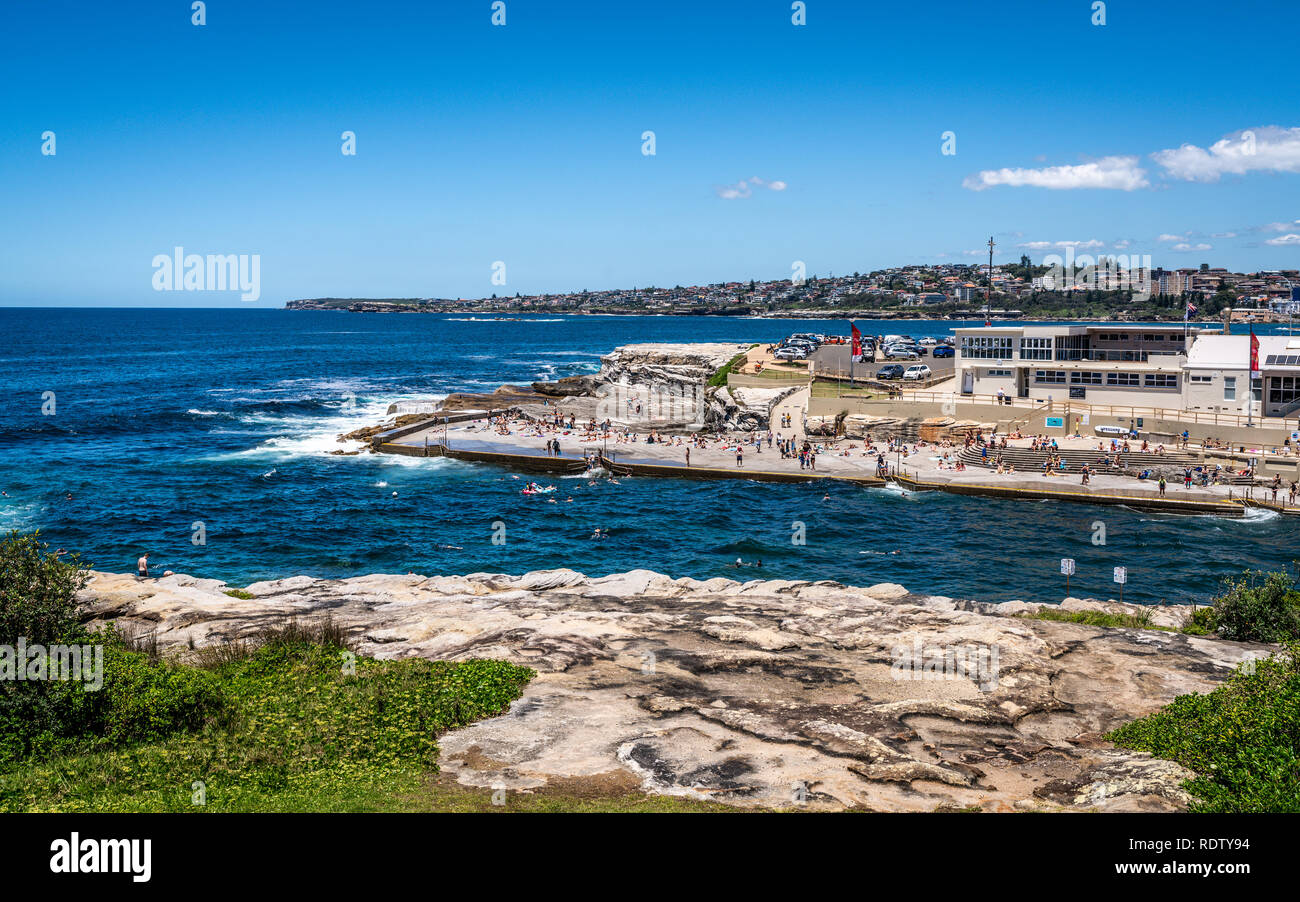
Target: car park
{"type": "Point", "coordinates": [916, 372]}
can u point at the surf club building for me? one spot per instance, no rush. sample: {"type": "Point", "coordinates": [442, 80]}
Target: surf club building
{"type": "Point", "coordinates": [1132, 365]}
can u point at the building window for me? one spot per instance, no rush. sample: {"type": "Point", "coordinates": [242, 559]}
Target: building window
{"type": "Point", "coordinates": [1229, 388]}
{"type": "Point", "coordinates": [1051, 377]}
{"type": "Point", "coordinates": [996, 373]}
{"type": "Point", "coordinates": [1035, 349]}
{"type": "Point", "coordinates": [1073, 347]}
{"type": "Point", "coordinates": [987, 347]}
{"type": "Point", "coordinates": [1080, 377]}
{"type": "Point", "coordinates": [1161, 380]}
{"type": "Point", "coordinates": [1202, 380]}
{"type": "Point", "coordinates": [1122, 379]}
{"type": "Point", "coordinates": [1283, 389]}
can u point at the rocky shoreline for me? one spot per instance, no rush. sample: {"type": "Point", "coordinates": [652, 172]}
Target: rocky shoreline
{"type": "Point", "coordinates": [669, 382]}
{"type": "Point", "coordinates": [765, 693]}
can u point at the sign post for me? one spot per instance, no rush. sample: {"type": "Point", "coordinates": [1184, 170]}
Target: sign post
{"type": "Point", "coordinates": [1067, 567]}
{"type": "Point", "coordinates": [1121, 577]}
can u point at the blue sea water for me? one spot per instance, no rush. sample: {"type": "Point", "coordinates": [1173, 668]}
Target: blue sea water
{"type": "Point", "coordinates": [164, 419]}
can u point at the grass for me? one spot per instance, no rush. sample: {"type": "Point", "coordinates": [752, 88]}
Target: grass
{"type": "Point", "coordinates": [1242, 740]}
{"type": "Point", "coordinates": [719, 379]}
{"type": "Point", "coordinates": [301, 725]}
{"type": "Point", "coordinates": [1097, 618]}
{"type": "Point", "coordinates": [240, 593]}
{"type": "Point", "coordinates": [833, 390]}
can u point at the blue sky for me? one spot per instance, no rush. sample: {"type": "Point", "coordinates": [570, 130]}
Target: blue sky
{"type": "Point", "coordinates": [478, 143]}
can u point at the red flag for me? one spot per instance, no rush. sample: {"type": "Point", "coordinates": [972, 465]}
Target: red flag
{"type": "Point", "coordinates": [1254, 354]}
{"type": "Point", "coordinates": [857, 342]}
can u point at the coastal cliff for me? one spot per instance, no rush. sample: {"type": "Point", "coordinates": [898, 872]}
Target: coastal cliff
{"type": "Point", "coordinates": [761, 693]}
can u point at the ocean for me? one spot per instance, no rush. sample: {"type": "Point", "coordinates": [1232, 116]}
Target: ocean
{"type": "Point", "coordinates": [201, 437]}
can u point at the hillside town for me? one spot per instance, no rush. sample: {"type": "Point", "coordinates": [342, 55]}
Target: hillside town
{"type": "Point", "coordinates": [1101, 289]}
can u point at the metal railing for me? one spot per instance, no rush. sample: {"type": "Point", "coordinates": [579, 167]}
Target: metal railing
{"type": "Point", "coordinates": [1115, 411]}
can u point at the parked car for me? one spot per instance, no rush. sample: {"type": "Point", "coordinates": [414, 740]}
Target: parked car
{"type": "Point", "coordinates": [892, 371]}
{"type": "Point", "coordinates": [944, 351]}
{"type": "Point", "coordinates": [790, 354]}
{"type": "Point", "coordinates": [915, 372]}
{"type": "Point", "coordinates": [928, 341]}
{"type": "Point", "coordinates": [897, 353]}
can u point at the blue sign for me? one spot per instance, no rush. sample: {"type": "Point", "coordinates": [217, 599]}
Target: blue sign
{"type": "Point", "coordinates": [1055, 422]}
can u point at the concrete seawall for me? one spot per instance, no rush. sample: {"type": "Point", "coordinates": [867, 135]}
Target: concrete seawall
{"type": "Point", "coordinates": [536, 463]}
{"type": "Point", "coordinates": [1143, 501]}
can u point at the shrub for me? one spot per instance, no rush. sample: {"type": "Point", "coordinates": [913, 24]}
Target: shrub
{"type": "Point", "coordinates": [1259, 608]}
{"type": "Point", "coordinates": [142, 699]}
{"type": "Point", "coordinates": [38, 592]}
{"type": "Point", "coordinates": [1203, 622]}
{"type": "Point", "coordinates": [1242, 740]}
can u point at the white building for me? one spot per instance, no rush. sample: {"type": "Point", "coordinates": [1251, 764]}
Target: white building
{"type": "Point", "coordinates": [1131, 365]}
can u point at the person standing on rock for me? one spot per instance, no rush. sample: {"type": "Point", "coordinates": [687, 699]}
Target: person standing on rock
{"type": "Point", "coordinates": [688, 457]}
{"type": "Point", "coordinates": [142, 567]}
{"type": "Point", "coordinates": [1162, 485]}
{"type": "Point", "coordinates": [740, 455]}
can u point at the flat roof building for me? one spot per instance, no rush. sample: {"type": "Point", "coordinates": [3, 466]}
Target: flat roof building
{"type": "Point", "coordinates": [1131, 365]}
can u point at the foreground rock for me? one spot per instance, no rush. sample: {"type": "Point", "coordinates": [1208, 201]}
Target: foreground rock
{"type": "Point", "coordinates": [756, 694]}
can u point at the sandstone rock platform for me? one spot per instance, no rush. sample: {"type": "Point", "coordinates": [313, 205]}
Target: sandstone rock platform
{"type": "Point", "coordinates": [766, 693]}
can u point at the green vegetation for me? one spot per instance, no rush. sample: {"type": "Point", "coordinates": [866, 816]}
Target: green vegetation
{"type": "Point", "coordinates": [288, 721]}
{"type": "Point", "coordinates": [1255, 607]}
{"type": "Point", "coordinates": [240, 593]}
{"type": "Point", "coordinates": [1242, 740]}
{"type": "Point", "coordinates": [1201, 623]}
{"type": "Point", "coordinates": [1096, 618]}
{"type": "Point", "coordinates": [719, 379]}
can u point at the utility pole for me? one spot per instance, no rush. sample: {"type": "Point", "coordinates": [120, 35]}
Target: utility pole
{"type": "Point", "coordinates": [988, 292]}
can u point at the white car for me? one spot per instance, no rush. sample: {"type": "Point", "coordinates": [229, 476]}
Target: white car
{"type": "Point", "coordinates": [790, 354]}
{"type": "Point", "coordinates": [929, 342]}
{"type": "Point", "coordinates": [919, 371]}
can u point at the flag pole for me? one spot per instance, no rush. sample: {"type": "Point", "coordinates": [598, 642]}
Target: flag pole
{"type": "Point", "coordinates": [1250, 379]}
{"type": "Point", "coordinates": [853, 344]}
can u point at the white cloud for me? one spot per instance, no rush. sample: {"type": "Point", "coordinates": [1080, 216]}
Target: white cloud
{"type": "Point", "coordinates": [1265, 149]}
{"type": "Point", "coordinates": [1224, 235]}
{"type": "Point", "coordinates": [745, 187]}
{"type": "Point", "coordinates": [1284, 240]}
{"type": "Point", "coordinates": [1120, 173]}
{"type": "Point", "coordinates": [1168, 237]}
{"type": "Point", "coordinates": [1121, 244]}
{"type": "Point", "coordinates": [1192, 247]}
{"type": "Point", "coordinates": [1280, 226]}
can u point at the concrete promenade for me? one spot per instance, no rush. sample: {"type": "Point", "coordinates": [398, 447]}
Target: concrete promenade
{"type": "Point", "coordinates": [924, 467]}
